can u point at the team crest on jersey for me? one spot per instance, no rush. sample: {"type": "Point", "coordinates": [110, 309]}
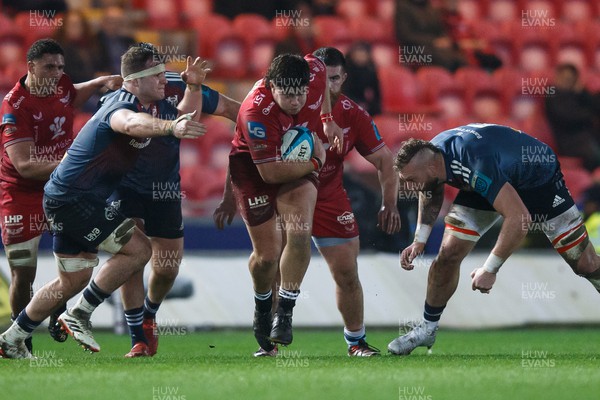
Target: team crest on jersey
{"type": "Point", "coordinates": [110, 212]}
{"type": "Point", "coordinates": [173, 100]}
{"type": "Point", "coordinates": [346, 218]}
{"type": "Point", "coordinates": [38, 117]}
{"type": "Point", "coordinates": [18, 103]}
{"type": "Point", "coordinates": [346, 104]}
{"type": "Point", "coordinates": [57, 127]}
{"type": "Point", "coordinates": [481, 183]}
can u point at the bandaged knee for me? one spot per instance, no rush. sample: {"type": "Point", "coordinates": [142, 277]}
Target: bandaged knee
{"type": "Point", "coordinates": [23, 254]}
{"type": "Point", "coordinates": [119, 237]}
{"type": "Point", "coordinates": [74, 264]}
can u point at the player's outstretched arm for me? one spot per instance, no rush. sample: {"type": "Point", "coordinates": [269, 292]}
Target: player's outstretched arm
{"type": "Point", "coordinates": [225, 211]}
{"type": "Point", "coordinates": [332, 131]}
{"type": "Point", "coordinates": [86, 89]}
{"type": "Point", "coordinates": [388, 218]}
{"type": "Point", "coordinates": [227, 107]}
{"type": "Point", "coordinates": [143, 125]}
{"type": "Point", "coordinates": [193, 75]}
{"type": "Point", "coordinates": [27, 163]}
{"type": "Point", "coordinates": [513, 231]}
{"type": "Point", "coordinates": [430, 204]}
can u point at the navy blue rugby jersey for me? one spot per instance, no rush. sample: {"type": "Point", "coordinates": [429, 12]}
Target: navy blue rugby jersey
{"type": "Point", "coordinates": [147, 173]}
{"type": "Point", "coordinates": [483, 157]}
{"type": "Point", "coordinates": [99, 157]}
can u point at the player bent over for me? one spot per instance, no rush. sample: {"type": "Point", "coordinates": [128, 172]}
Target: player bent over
{"type": "Point", "coordinates": [485, 162]}
{"type": "Point", "coordinates": [75, 203]}
{"type": "Point", "coordinates": [37, 129]}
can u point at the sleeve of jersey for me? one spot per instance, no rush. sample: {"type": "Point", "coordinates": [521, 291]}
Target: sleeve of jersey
{"type": "Point", "coordinates": [210, 100]}
{"type": "Point", "coordinates": [118, 106]}
{"type": "Point", "coordinates": [16, 125]}
{"type": "Point", "coordinates": [318, 78]}
{"type": "Point", "coordinates": [368, 140]}
{"type": "Point", "coordinates": [486, 178]}
{"type": "Point", "coordinates": [262, 134]}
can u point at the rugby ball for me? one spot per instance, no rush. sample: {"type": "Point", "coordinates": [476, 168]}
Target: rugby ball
{"type": "Point", "coordinates": [297, 144]}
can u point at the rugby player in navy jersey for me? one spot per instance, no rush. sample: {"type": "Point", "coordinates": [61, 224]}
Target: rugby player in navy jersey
{"type": "Point", "coordinates": [75, 198]}
{"type": "Point", "coordinates": [151, 194]}
{"type": "Point", "coordinates": [501, 172]}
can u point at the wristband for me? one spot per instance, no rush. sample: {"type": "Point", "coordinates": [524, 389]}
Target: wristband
{"type": "Point", "coordinates": [193, 88]}
{"type": "Point", "coordinates": [326, 117]}
{"type": "Point", "coordinates": [318, 164]}
{"type": "Point", "coordinates": [493, 263]}
{"type": "Point", "coordinates": [422, 233]}
{"type": "Point", "coordinates": [171, 126]}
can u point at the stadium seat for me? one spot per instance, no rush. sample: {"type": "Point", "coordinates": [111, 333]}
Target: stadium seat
{"type": "Point", "coordinates": [384, 55]}
{"type": "Point", "coordinates": [331, 31]}
{"type": "Point", "coordinates": [499, 36]}
{"type": "Point", "coordinates": [472, 10]}
{"type": "Point", "coordinates": [400, 90]}
{"type": "Point", "coordinates": [216, 144]}
{"type": "Point", "coordinates": [259, 39]}
{"type": "Point", "coordinates": [503, 10]}
{"type": "Point", "coordinates": [192, 9]}
{"type": "Point", "coordinates": [41, 24]}
{"type": "Point", "coordinates": [576, 10]}
{"type": "Point", "coordinates": [476, 82]}
{"type": "Point", "coordinates": [351, 8]}
{"type": "Point", "coordinates": [162, 14]}
{"type": "Point", "coordinates": [208, 26]}
{"type": "Point", "coordinates": [384, 9]}
{"type": "Point", "coordinates": [538, 127]}
{"type": "Point", "coordinates": [570, 45]}
{"type": "Point", "coordinates": [371, 29]}
{"type": "Point", "coordinates": [12, 50]}
{"type": "Point", "coordinates": [435, 82]}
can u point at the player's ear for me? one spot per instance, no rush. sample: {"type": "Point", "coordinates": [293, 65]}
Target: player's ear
{"type": "Point", "coordinates": [30, 66]}
{"type": "Point", "coordinates": [344, 76]}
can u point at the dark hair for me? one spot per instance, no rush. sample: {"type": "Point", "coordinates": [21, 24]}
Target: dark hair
{"type": "Point", "coordinates": [409, 149]}
{"type": "Point", "coordinates": [288, 71]}
{"type": "Point", "coordinates": [568, 67]}
{"type": "Point", "coordinates": [136, 58]}
{"type": "Point", "coordinates": [331, 56]}
{"type": "Point", "coordinates": [43, 46]}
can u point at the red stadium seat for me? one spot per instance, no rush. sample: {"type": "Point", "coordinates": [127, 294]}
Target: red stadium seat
{"type": "Point", "coordinates": [351, 8]}
{"type": "Point", "coordinates": [476, 82]}
{"type": "Point", "coordinates": [163, 14]}
{"type": "Point", "coordinates": [371, 29]}
{"type": "Point", "coordinates": [436, 81]}
{"type": "Point", "coordinates": [192, 9]}
{"type": "Point", "coordinates": [400, 90]}
{"type": "Point", "coordinates": [12, 50]}
{"type": "Point", "coordinates": [209, 26]}
{"type": "Point", "coordinates": [385, 9]}
{"type": "Point", "coordinates": [472, 10]}
{"type": "Point", "coordinates": [503, 10]}
{"type": "Point", "coordinates": [576, 10]}
{"type": "Point", "coordinates": [384, 55]}
{"type": "Point", "coordinates": [331, 31]}
{"type": "Point", "coordinates": [37, 24]}
{"type": "Point", "coordinates": [259, 39]}
{"type": "Point", "coordinates": [577, 180]}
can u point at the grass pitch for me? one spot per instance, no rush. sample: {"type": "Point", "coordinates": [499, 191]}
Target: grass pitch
{"type": "Point", "coordinates": [544, 364]}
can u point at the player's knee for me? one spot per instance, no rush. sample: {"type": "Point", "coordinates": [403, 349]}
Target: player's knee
{"type": "Point", "coordinates": [448, 257]}
{"type": "Point", "coordinates": [22, 254]}
{"type": "Point", "coordinates": [347, 280]}
{"type": "Point", "coordinates": [119, 237]}
{"type": "Point", "coordinates": [166, 268]}
{"type": "Point", "coordinates": [263, 260]}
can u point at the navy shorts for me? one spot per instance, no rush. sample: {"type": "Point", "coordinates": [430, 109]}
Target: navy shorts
{"type": "Point", "coordinates": [80, 225]}
{"type": "Point", "coordinates": [549, 200]}
{"type": "Point", "coordinates": [161, 213]}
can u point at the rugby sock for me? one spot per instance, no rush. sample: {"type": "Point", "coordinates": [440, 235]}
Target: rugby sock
{"type": "Point", "coordinates": [353, 337]}
{"type": "Point", "coordinates": [150, 309]}
{"type": "Point", "coordinates": [134, 318]}
{"type": "Point", "coordinates": [287, 299]}
{"type": "Point", "coordinates": [92, 297]}
{"type": "Point", "coordinates": [21, 329]}
{"type": "Point", "coordinates": [432, 315]}
{"type": "Point", "coordinates": [263, 301]}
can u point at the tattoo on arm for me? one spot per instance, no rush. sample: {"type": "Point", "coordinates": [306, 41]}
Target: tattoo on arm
{"type": "Point", "coordinates": [430, 204]}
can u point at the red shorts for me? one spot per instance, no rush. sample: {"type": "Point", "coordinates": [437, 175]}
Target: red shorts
{"type": "Point", "coordinates": [256, 200]}
{"type": "Point", "coordinates": [22, 215]}
{"type": "Point", "coordinates": [334, 218]}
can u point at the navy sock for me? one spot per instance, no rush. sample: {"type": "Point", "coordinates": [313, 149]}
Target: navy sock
{"type": "Point", "coordinates": [94, 295]}
{"type": "Point", "coordinates": [134, 318]}
{"type": "Point", "coordinates": [26, 323]}
{"type": "Point", "coordinates": [150, 309]}
{"type": "Point", "coordinates": [432, 314]}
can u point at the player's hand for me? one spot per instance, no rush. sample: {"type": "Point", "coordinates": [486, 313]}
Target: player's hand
{"type": "Point", "coordinates": [225, 211]}
{"type": "Point", "coordinates": [186, 128]}
{"type": "Point", "coordinates": [113, 82]}
{"type": "Point", "coordinates": [409, 254]}
{"type": "Point", "coordinates": [195, 72]}
{"type": "Point", "coordinates": [482, 280]}
{"type": "Point", "coordinates": [388, 219]}
{"type": "Point", "coordinates": [335, 136]}
{"type": "Point", "coordinates": [319, 149]}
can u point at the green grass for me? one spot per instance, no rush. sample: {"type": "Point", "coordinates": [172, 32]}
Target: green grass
{"type": "Point", "coordinates": [563, 364]}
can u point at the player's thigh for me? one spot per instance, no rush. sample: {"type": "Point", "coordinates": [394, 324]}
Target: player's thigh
{"type": "Point", "coordinates": [166, 254]}
{"type": "Point", "coordinates": [267, 239]}
{"type": "Point", "coordinates": [296, 202]}
{"type": "Point", "coordinates": [21, 215]}
{"type": "Point", "coordinates": [341, 255]}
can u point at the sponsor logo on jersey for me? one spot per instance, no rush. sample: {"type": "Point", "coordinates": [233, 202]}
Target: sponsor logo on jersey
{"type": "Point", "coordinates": [93, 235]}
{"type": "Point", "coordinates": [38, 117]}
{"type": "Point", "coordinates": [346, 104]}
{"type": "Point", "coordinates": [267, 109]}
{"type": "Point", "coordinates": [259, 98]}
{"type": "Point", "coordinates": [376, 130]}
{"type": "Point", "coordinates": [12, 219]}
{"type": "Point", "coordinates": [8, 119]}
{"type": "Point", "coordinates": [139, 145]}
{"type": "Point", "coordinates": [14, 232]}
{"type": "Point", "coordinates": [57, 127]}
{"type": "Point", "coordinates": [346, 218]}
{"type": "Point", "coordinates": [18, 103]}
{"type": "Point", "coordinates": [257, 130]}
